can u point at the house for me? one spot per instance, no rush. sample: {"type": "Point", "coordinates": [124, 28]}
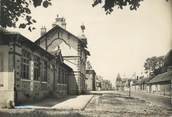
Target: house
{"type": "Point", "coordinates": [141, 84]}
{"type": "Point", "coordinates": [73, 48]}
{"type": "Point", "coordinates": [28, 72]}
{"type": "Point", "coordinates": [161, 83]}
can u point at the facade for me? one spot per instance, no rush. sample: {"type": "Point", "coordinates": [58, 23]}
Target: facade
{"type": "Point", "coordinates": [74, 51]}
{"type": "Point", "coordinates": [28, 72]}
{"type": "Point", "coordinates": [91, 77]}
{"type": "Point", "coordinates": [98, 83]}
{"type": "Point", "coordinates": [106, 85]}
{"type": "Point", "coordinates": [102, 84]}
{"type": "Point", "coordinates": [161, 83]}
{"type": "Point", "coordinates": [90, 81]}
{"type": "Point", "coordinates": [141, 84]}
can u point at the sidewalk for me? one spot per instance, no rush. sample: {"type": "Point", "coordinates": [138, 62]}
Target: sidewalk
{"type": "Point", "coordinates": [69, 103]}
{"type": "Point", "coordinates": [77, 103]}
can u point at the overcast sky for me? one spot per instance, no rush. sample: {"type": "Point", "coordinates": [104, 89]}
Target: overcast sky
{"type": "Point", "coordinates": [118, 43]}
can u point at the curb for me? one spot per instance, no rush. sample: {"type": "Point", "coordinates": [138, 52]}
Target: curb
{"type": "Point", "coordinates": [82, 109]}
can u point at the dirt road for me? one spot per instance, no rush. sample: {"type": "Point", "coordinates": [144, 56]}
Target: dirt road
{"type": "Point", "coordinates": [105, 105]}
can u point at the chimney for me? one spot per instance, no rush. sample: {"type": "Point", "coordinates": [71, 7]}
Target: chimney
{"type": "Point", "coordinates": [60, 21]}
{"type": "Point", "coordinates": [43, 30]}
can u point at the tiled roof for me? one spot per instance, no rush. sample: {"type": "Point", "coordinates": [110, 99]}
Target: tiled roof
{"type": "Point", "coordinates": [164, 77]}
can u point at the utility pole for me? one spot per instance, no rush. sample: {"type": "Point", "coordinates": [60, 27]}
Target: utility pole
{"type": "Point", "coordinates": [129, 88]}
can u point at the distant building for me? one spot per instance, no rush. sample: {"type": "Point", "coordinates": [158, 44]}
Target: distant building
{"type": "Point", "coordinates": [98, 83]}
{"type": "Point", "coordinates": [102, 84]}
{"type": "Point", "coordinates": [106, 85]}
{"type": "Point", "coordinates": [90, 77]}
{"type": "Point", "coordinates": [119, 83]}
{"type": "Point", "coordinates": [90, 81]}
{"type": "Point", "coordinates": [74, 52]}
{"type": "Point", "coordinates": [162, 82]}
{"type": "Point", "coordinates": [28, 72]}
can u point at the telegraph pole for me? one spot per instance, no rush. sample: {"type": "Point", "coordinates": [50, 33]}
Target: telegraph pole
{"type": "Point", "coordinates": [129, 88]}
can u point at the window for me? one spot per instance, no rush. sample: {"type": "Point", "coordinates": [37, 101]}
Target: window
{"type": "Point", "coordinates": [25, 64]}
{"type": "Point", "coordinates": [45, 71]}
{"type": "Point", "coordinates": [36, 68]}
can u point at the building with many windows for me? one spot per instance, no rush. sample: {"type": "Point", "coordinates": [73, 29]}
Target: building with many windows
{"type": "Point", "coordinates": [28, 72]}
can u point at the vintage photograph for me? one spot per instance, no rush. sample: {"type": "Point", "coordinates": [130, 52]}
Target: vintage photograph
{"type": "Point", "coordinates": [85, 58]}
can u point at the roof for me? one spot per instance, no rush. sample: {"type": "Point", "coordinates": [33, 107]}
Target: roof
{"type": "Point", "coordinates": [141, 81]}
{"type": "Point", "coordinates": [58, 27]}
{"type": "Point", "coordinates": [10, 36]}
{"type": "Point", "coordinates": [145, 80]}
{"type": "Point", "coordinates": [162, 78]}
{"type": "Point", "coordinates": [67, 67]}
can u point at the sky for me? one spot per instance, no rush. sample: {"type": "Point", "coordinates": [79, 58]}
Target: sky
{"type": "Point", "coordinates": [118, 43]}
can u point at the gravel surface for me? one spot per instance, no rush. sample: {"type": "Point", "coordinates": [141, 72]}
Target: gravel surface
{"type": "Point", "coordinates": [105, 105]}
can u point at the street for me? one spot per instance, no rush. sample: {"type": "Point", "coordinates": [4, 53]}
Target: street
{"type": "Point", "coordinates": [103, 104]}
{"type": "Point", "coordinates": [163, 101]}
{"type": "Point", "coordinates": [119, 104]}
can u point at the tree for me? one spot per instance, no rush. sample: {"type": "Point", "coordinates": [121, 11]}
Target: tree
{"type": "Point", "coordinates": [108, 5]}
{"type": "Point", "coordinates": [153, 66]}
{"type": "Point", "coordinates": [12, 10]}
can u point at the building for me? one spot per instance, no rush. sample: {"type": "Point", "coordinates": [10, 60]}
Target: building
{"type": "Point", "coordinates": [106, 85]}
{"type": "Point", "coordinates": [98, 83]}
{"type": "Point", "coordinates": [73, 48]}
{"type": "Point", "coordinates": [28, 72]}
{"type": "Point", "coordinates": [141, 84]}
{"type": "Point", "coordinates": [90, 81]}
{"type": "Point", "coordinates": [102, 84]}
{"type": "Point", "coordinates": [161, 83]}
{"type": "Point", "coordinates": [119, 83]}
{"type": "Point", "coordinates": [90, 77]}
